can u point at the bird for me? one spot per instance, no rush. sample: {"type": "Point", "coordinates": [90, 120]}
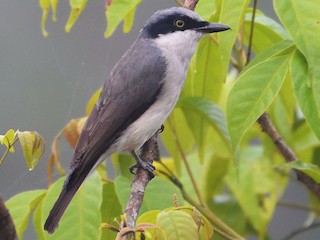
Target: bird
{"type": "Point", "coordinates": [136, 99]}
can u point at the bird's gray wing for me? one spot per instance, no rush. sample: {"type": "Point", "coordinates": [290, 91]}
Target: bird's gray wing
{"type": "Point", "coordinates": [134, 84]}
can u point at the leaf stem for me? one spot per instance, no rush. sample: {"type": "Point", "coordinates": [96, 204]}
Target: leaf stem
{"type": "Point", "coordinates": [8, 149]}
{"type": "Point", "coordinates": [179, 2]}
{"type": "Point", "coordinates": [301, 230]}
{"type": "Point", "coordinates": [251, 30]}
{"type": "Point", "coordinates": [299, 206]}
{"type": "Point", "coordinates": [184, 159]}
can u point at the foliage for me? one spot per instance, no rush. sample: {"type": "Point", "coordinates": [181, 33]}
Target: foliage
{"type": "Point", "coordinates": [211, 131]}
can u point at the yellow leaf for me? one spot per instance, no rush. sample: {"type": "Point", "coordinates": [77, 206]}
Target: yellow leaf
{"type": "Point", "coordinates": [54, 4]}
{"type": "Point", "coordinates": [32, 145]}
{"type": "Point", "coordinates": [71, 132]}
{"type": "Point", "coordinates": [44, 5]}
{"type": "Point", "coordinates": [54, 158]}
{"type": "Point", "coordinates": [93, 99]}
{"type": "Point", "coordinates": [8, 140]}
{"type": "Point", "coordinates": [81, 123]}
{"type": "Point", "coordinates": [77, 7]}
{"type": "Point", "coordinates": [168, 221]}
{"type": "Point", "coordinates": [165, 165]}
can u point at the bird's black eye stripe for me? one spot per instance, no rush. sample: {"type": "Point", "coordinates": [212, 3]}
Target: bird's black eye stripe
{"type": "Point", "coordinates": [179, 23]}
{"type": "Point", "coordinates": [171, 23]}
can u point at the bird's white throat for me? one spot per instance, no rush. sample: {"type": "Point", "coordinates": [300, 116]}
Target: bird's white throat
{"type": "Point", "coordinates": [179, 44]}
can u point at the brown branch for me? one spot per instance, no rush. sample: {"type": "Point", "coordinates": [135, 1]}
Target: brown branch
{"type": "Point", "coordinates": [7, 228]}
{"type": "Point", "coordinates": [190, 4]}
{"type": "Point", "coordinates": [287, 153]}
{"type": "Point", "coordinates": [149, 152]}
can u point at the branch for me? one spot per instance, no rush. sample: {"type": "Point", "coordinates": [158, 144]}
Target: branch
{"type": "Point", "coordinates": [149, 152]}
{"type": "Point", "coordinates": [7, 228]}
{"type": "Point", "coordinates": [190, 4]}
{"type": "Point", "coordinates": [267, 127]}
{"type": "Point", "coordinates": [293, 234]}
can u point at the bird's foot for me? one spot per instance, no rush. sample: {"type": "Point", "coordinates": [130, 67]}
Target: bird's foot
{"type": "Point", "coordinates": [142, 164]}
{"type": "Point", "coordinates": [161, 129]}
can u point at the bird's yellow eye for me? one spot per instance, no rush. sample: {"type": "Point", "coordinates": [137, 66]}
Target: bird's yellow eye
{"type": "Point", "coordinates": [179, 23]}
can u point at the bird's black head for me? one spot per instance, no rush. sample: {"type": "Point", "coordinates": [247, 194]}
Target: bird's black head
{"type": "Point", "coordinates": [178, 19]}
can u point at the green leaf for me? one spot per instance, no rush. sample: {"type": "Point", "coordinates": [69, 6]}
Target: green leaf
{"type": "Point", "coordinates": [205, 79]}
{"type": "Point", "coordinates": [117, 11]}
{"type": "Point", "coordinates": [122, 163]}
{"type": "Point", "coordinates": [158, 195]}
{"type": "Point", "coordinates": [149, 217]}
{"type": "Point", "coordinates": [38, 223]}
{"type": "Point", "coordinates": [209, 74]}
{"type": "Point", "coordinates": [213, 173]}
{"type": "Point", "coordinates": [229, 211]}
{"type": "Point", "coordinates": [77, 7]}
{"type": "Point", "coordinates": [279, 49]}
{"type": "Point", "coordinates": [282, 111]}
{"type": "Point", "coordinates": [83, 213]}
{"type": "Point", "coordinates": [266, 32]}
{"type": "Point", "coordinates": [205, 9]}
{"type": "Point", "coordinates": [306, 95]}
{"type": "Point", "coordinates": [128, 20]}
{"type": "Point", "coordinates": [231, 13]}
{"type": "Point", "coordinates": [310, 169]}
{"type": "Point", "coordinates": [177, 134]}
{"type": "Point", "coordinates": [257, 187]}
{"type": "Point", "coordinates": [303, 139]}
{"type": "Point", "coordinates": [33, 146]}
{"type": "Point", "coordinates": [252, 94]}
{"type": "Point", "coordinates": [301, 19]}
{"type": "Point", "coordinates": [110, 209]}
{"type": "Point", "coordinates": [210, 112]}
{"type": "Point", "coordinates": [8, 140]}
{"type": "Point", "coordinates": [21, 207]}
{"type": "Point", "coordinates": [177, 225]}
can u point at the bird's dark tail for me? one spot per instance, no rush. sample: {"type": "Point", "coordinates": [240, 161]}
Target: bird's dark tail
{"type": "Point", "coordinates": [65, 197]}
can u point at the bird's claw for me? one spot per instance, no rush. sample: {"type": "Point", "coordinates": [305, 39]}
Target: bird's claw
{"type": "Point", "coordinates": [144, 165]}
{"type": "Point", "coordinates": [161, 129]}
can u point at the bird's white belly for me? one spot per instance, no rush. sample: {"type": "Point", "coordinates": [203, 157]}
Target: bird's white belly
{"type": "Point", "coordinates": [151, 120]}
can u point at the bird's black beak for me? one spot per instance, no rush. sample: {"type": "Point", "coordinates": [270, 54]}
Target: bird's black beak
{"type": "Point", "coordinates": [212, 27]}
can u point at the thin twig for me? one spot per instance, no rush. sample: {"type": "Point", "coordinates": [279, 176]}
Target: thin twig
{"type": "Point", "coordinates": [299, 206]}
{"type": "Point", "coordinates": [185, 161]}
{"type": "Point", "coordinates": [190, 4]}
{"type": "Point", "coordinates": [180, 3]}
{"type": "Point", "coordinates": [267, 127]}
{"type": "Point", "coordinates": [301, 230]}
{"type": "Point", "coordinates": [251, 30]}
